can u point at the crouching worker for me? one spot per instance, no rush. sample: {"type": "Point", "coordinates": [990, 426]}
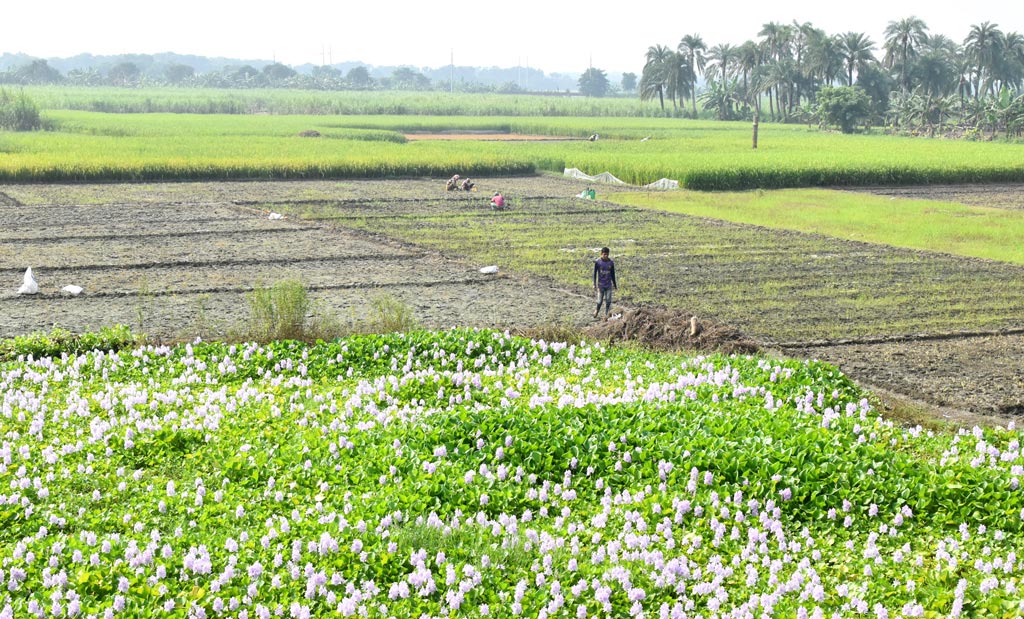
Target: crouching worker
{"type": "Point", "coordinates": [498, 201]}
{"type": "Point", "coordinates": [467, 185]}
{"type": "Point", "coordinates": [452, 184]}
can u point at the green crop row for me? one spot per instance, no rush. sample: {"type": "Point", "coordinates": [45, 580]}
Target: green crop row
{"type": "Point", "coordinates": [287, 102]}
{"type": "Point", "coordinates": [702, 155]}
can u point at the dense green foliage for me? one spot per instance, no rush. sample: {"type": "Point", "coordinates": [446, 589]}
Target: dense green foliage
{"type": "Point", "coordinates": [60, 341]}
{"type": "Point", "coordinates": [474, 473]}
{"type": "Point", "coordinates": [914, 81]}
{"type": "Point", "coordinates": [18, 112]}
{"type": "Point", "coordinates": [280, 102]}
{"type": "Point", "coordinates": [844, 106]}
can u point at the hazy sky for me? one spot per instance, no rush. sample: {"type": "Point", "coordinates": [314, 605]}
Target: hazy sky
{"type": "Point", "coordinates": [552, 36]}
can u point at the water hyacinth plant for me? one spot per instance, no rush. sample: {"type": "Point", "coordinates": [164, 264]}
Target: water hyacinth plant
{"type": "Point", "coordinates": [472, 473]}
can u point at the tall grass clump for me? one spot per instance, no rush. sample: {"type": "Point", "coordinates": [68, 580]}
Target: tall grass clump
{"type": "Point", "coordinates": [18, 113]}
{"type": "Point", "coordinates": [390, 315]}
{"type": "Point", "coordinates": [284, 311]}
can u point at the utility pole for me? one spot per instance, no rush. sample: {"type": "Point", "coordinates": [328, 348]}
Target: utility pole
{"type": "Point", "coordinates": [451, 74]}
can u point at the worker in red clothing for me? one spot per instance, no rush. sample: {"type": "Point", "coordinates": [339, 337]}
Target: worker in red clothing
{"type": "Point", "coordinates": [498, 201]}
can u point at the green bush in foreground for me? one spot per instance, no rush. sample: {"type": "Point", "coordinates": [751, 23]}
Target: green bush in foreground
{"type": "Point", "coordinates": [478, 474]}
{"type": "Point", "coordinates": [60, 341]}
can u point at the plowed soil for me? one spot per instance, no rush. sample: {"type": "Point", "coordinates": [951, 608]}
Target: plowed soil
{"type": "Point", "coordinates": [178, 260]}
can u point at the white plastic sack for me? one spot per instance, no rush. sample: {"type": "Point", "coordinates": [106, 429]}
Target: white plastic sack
{"type": "Point", "coordinates": [489, 270]}
{"type": "Point", "coordinates": [72, 290]}
{"type": "Point", "coordinates": [29, 285]}
{"type": "Point", "coordinates": [276, 216]}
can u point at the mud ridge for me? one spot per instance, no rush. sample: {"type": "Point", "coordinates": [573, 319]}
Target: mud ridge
{"type": "Point", "coordinates": [903, 338]}
{"type": "Point", "coordinates": [153, 235]}
{"type": "Point", "coordinates": [187, 264]}
{"type": "Point", "coordinates": [119, 294]}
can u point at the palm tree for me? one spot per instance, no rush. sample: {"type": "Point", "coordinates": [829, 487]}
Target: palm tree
{"type": "Point", "coordinates": [856, 49]}
{"type": "Point", "coordinates": [692, 49]}
{"type": "Point", "coordinates": [774, 47]}
{"type": "Point", "coordinates": [655, 73]}
{"type": "Point", "coordinates": [902, 40]}
{"type": "Point", "coordinates": [749, 58]}
{"type": "Point", "coordinates": [722, 60]}
{"type": "Point", "coordinates": [1009, 66]}
{"type": "Point", "coordinates": [935, 74]}
{"type": "Point", "coordinates": [983, 45]}
{"type": "Point", "coordinates": [826, 60]}
{"type": "Point", "coordinates": [804, 37]}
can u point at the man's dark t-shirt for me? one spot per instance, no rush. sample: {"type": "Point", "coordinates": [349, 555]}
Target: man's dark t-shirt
{"type": "Point", "coordinates": [604, 273]}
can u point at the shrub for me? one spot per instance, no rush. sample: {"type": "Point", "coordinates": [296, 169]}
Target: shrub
{"type": "Point", "coordinates": [284, 311]}
{"type": "Point", "coordinates": [18, 113]}
{"type": "Point", "coordinates": [389, 315]}
{"type": "Point", "coordinates": [59, 341]}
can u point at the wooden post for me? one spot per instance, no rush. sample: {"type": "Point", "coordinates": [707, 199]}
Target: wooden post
{"type": "Point", "coordinates": [755, 127]}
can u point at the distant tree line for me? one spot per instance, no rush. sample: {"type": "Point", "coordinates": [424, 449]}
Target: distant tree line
{"type": "Point", "coordinates": [140, 72]}
{"type": "Point", "coordinates": [919, 83]}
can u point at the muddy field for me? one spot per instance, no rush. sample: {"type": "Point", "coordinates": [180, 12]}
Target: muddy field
{"type": "Point", "coordinates": [178, 260]}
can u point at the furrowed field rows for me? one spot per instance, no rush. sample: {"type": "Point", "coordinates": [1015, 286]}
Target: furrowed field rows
{"type": "Point", "coordinates": [199, 278]}
{"type": "Point", "coordinates": [483, 302]}
{"type": "Point", "coordinates": [777, 285]}
{"type": "Point", "coordinates": [297, 242]}
{"type": "Point", "coordinates": [191, 232]}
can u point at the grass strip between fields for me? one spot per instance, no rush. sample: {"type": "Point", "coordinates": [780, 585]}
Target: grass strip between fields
{"type": "Point", "coordinates": [928, 225]}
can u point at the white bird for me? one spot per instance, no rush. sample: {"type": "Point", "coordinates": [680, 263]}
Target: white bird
{"type": "Point", "coordinates": [645, 139]}
{"type": "Point", "coordinates": [29, 285]}
{"type": "Point", "coordinates": [489, 270]}
{"type": "Point", "coordinates": [72, 290]}
{"type": "Point", "coordinates": [276, 216]}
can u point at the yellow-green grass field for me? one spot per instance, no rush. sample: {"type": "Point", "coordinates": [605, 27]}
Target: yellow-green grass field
{"type": "Point", "coordinates": [975, 231]}
{"type": "Point", "coordinates": [702, 155]}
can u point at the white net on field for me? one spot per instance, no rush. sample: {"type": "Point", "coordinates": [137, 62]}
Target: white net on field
{"type": "Point", "coordinates": [665, 183]}
{"type": "Point", "coordinates": [608, 177]}
{"type": "Point", "coordinates": [603, 177]}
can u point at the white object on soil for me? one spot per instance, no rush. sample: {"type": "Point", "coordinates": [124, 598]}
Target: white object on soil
{"type": "Point", "coordinates": [490, 269]}
{"type": "Point", "coordinates": [276, 216]}
{"type": "Point", "coordinates": [29, 285]}
{"type": "Point", "coordinates": [72, 290]}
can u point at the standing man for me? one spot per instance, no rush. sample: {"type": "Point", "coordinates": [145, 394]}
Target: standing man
{"type": "Point", "coordinates": [604, 281]}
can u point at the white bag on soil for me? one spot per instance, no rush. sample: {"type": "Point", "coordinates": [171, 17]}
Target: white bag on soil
{"type": "Point", "coordinates": [29, 285]}
{"type": "Point", "coordinates": [489, 270]}
{"type": "Point", "coordinates": [72, 290]}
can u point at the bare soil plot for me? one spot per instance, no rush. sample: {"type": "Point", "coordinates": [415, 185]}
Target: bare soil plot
{"type": "Point", "coordinates": [996, 195]}
{"type": "Point", "coordinates": [179, 258]}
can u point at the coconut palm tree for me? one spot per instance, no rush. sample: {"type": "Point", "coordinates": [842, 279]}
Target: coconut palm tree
{"type": "Point", "coordinates": [983, 45]}
{"type": "Point", "coordinates": [692, 49]}
{"type": "Point", "coordinates": [826, 60]}
{"type": "Point", "coordinates": [656, 72]}
{"type": "Point", "coordinates": [804, 37]}
{"type": "Point", "coordinates": [1009, 65]}
{"type": "Point", "coordinates": [903, 38]}
{"type": "Point", "coordinates": [856, 49]}
{"type": "Point", "coordinates": [722, 60]}
{"type": "Point", "coordinates": [935, 74]}
{"type": "Point", "coordinates": [749, 58]}
{"type": "Point", "coordinates": [775, 44]}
